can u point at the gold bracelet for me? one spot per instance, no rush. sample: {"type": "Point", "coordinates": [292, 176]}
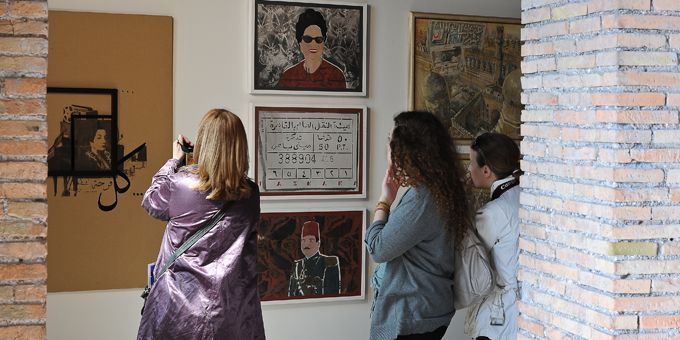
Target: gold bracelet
{"type": "Point", "coordinates": [387, 212]}
{"type": "Point", "coordinates": [382, 205]}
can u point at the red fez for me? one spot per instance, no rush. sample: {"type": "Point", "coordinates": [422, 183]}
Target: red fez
{"type": "Point", "coordinates": [311, 228]}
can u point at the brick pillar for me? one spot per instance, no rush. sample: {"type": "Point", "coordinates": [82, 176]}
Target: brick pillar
{"type": "Point", "coordinates": [23, 169]}
{"type": "Point", "coordinates": [601, 195]}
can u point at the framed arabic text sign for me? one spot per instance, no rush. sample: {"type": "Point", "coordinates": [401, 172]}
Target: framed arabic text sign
{"type": "Point", "coordinates": [305, 151]}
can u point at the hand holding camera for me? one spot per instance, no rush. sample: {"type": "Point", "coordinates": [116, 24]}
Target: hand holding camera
{"type": "Point", "coordinates": [182, 147]}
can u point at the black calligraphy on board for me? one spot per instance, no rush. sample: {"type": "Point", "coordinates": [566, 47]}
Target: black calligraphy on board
{"type": "Point", "coordinates": [86, 154]}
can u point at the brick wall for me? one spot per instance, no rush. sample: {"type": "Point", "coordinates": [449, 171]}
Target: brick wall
{"type": "Point", "coordinates": [600, 212]}
{"type": "Point", "coordinates": [23, 169]}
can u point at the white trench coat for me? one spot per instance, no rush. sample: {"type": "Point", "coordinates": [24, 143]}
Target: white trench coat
{"type": "Point", "coordinates": [497, 223]}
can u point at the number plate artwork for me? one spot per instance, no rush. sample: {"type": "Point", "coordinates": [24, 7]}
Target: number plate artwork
{"type": "Point", "coordinates": [310, 151]}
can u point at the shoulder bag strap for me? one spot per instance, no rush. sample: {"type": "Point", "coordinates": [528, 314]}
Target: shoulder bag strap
{"type": "Point", "coordinates": [194, 238]}
{"type": "Point", "coordinates": [503, 188]}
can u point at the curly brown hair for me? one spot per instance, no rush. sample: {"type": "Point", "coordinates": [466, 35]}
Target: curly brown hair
{"type": "Point", "coordinates": [423, 153]}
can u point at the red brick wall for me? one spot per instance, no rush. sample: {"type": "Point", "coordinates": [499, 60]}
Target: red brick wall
{"type": "Point", "coordinates": [23, 169]}
{"type": "Point", "coordinates": [600, 212]}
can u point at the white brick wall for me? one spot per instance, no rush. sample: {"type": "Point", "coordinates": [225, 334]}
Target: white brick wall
{"type": "Point", "coordinates": [23, 169]}
{"type": "Point", "coordinates": [600, 212]}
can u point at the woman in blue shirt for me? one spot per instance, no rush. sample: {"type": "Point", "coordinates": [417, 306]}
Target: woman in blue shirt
{"type": "Point", "coordinates": [413, 243]}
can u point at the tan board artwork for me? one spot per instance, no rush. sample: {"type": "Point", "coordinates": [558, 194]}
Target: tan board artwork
{"type": "Point", "coordinates": [109, 118]}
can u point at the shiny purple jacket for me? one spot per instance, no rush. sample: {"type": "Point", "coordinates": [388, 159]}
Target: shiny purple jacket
{"type": "Point", "coordinates": [210, 292]}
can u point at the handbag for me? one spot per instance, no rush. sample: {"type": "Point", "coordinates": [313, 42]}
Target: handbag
{"type": "Point", "coordinates": [209, 224]}
{"type": "Point", "coordinates": [473, 274]}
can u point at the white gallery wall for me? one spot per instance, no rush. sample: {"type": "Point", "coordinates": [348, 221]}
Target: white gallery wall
{"type": "Point", "coordinates": [211, 63]}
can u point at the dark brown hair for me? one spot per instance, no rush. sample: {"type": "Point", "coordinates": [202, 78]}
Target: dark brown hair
{"type": "Point", "coordinates": [498, 152]}
{"type": "Point", "coordinates": [423, 154]}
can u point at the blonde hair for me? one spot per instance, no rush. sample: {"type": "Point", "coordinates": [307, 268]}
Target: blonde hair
{"type": "Point", "coordinates": [221, 153]}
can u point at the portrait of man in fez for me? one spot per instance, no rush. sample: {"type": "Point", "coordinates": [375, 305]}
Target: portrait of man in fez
{"type": "Point", "coordinates": [309, 256]}
{"type": "Point", "coordinates": [315, 274]}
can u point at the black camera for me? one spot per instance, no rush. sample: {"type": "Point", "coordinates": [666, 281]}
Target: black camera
{"type": "Point", "coordinates": [186, 147]}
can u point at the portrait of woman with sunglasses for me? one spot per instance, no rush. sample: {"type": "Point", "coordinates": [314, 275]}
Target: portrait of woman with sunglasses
{"type": "Point", "coordinates": [494, 165]}
{"type": "Point", "coordinates": [313, 72]}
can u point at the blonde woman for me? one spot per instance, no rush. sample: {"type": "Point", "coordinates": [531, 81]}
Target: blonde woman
{"type": "Point", "coordinates": [209, 292]}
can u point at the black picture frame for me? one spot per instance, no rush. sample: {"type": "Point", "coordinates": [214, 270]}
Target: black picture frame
{"type": "Point", "coordinates": [67, 148]}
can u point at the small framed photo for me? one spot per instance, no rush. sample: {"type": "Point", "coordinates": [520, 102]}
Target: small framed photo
{"type": "Point", "coordinates": [86, 144]}
{"type": "Point", "coordinates": [310, 152]}
{"type": "Point", "coordinates": [311, 256]}
{"type": "Point", "coordinates": [92, 142]}
{"type": "Point", "coordinates": [308, 48]}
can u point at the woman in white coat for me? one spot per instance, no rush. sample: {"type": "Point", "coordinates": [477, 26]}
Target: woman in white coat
{"type": "Point", "coordinates": [494, 165]}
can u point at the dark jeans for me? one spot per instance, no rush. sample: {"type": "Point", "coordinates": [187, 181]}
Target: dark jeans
{"type": "Point", "coordinates": [436, 334]}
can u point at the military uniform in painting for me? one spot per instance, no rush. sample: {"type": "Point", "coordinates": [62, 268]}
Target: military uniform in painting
{"type": "Point", "coordinates": [315, 274]}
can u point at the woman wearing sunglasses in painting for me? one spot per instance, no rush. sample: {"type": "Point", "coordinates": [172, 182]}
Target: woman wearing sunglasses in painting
{"type": "Point", "coordinates": [494, 165]}
{"type": "Point", "coordinates": [314, 72]}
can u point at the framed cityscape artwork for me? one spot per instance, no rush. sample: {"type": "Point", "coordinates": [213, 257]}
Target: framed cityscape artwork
{"type": "Point", "coordinates": [466, 70]}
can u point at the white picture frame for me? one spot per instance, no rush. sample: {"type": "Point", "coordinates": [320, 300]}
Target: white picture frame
{"type": "Point", "coordinates": [341, 231]}
{"type": "Point", "coordinates": [275, 49]}
{"type": "Point", "coordinates": [313, 177]}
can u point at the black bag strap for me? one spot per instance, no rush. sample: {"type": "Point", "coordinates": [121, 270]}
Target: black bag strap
{"type": "Point", "coordinates": [504, 187]}
{"type": "Point", "coordinates": [209, 224]}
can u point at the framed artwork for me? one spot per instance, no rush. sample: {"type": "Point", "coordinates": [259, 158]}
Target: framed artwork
{"type": "Point", "coordinates": [93, 107]}
{"type": "Point", "coordinates": [310, 152]}
{"type": "Point", "coordinates": [311, 256]}
{"type": "Point", "coordinates": [88, 131]}
{"type": "Point", "coordinates": [308, 48]}
{"type": "Point", "coordinates": [85, 151]}
{"type": "Point", "coordinates": [466, 70]}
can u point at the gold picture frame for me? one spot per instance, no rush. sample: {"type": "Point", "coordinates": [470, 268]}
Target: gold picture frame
{"type": "Point", "coordinates": [466, 70]}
